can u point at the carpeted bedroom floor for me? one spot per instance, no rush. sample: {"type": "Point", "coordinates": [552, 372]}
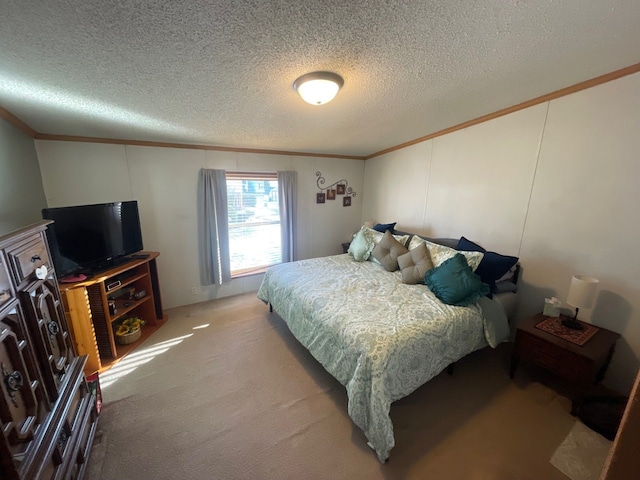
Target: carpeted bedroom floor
{"type": "Point", "coordinates": [223, 391]}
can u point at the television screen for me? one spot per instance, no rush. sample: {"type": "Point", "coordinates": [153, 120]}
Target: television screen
{"type": "Point", "coordinates": [89, 238]}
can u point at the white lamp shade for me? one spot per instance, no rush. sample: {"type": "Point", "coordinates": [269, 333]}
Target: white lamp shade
{"type": "Point", "coordinates": [317, 92]}
{"type": "Point", "coordinates": [318, 88]}
{"type": "Point", "coordinates": [582, 291]}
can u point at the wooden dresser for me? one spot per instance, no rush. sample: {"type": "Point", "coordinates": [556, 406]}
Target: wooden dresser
{"type": "Point", "coordinates": [47, 414]}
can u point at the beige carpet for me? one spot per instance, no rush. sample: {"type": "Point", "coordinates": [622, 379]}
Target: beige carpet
{"type": "Point", "coordinates": [223, 391]}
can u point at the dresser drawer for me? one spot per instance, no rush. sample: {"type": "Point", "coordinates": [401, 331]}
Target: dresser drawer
{"type": "Point", "coordinates": [74, 427]}
{"type": "Point", "coordinates": [28, 256]}
{"type": "Point", "coordinates": [49, 335]}
{"type": "Point", "coordinates": [548, 355]}
{"type": "Point", "coordinates": [6, 291]}
{"type": "Point", "coordinates": [23, 405]}
{"type": "Point", "coordinates": [57, 464]}
{"type": "Point", "coordinates": [68, 431]}
{"type": "Point", "coordinates": [87, 430]}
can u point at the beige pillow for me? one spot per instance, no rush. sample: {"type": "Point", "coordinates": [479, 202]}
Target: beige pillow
{"type": "Point", "coordinates": [415, 264]}
{"type": "Point", "coordinates": [377, 236]}
{"type": "Point", "coordinates": [387, 252]}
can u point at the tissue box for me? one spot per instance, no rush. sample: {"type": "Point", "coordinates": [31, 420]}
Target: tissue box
{"type": "Point", "coordinates": [551, 307]}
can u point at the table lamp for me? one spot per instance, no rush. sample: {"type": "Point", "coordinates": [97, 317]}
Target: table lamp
{"type": "Point", "coordinates": [581, 295]}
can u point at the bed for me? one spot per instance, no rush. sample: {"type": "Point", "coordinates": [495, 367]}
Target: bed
{"type": "Point", "coordinates": [378, 336]}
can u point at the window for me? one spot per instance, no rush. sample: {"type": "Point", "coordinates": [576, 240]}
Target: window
{"type": "Point", "coordinates": [254, 221]}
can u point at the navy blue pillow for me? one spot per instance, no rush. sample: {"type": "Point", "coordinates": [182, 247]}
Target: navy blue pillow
{"type": "Point", "coordinates": [383, 227]}
{"type": "Point", "coordinates": [454, 283]}
{"type": "Point", "coordinates": [493, 265]}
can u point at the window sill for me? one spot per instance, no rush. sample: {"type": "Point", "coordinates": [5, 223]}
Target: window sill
{"type": "Point", "coordinates": [249, 273]}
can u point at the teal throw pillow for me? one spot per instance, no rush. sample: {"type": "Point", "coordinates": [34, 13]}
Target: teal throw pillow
{"type": "Point", "coordinates": [454, 283]}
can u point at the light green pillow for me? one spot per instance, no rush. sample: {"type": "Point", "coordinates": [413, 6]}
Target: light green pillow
{"type": "Point", "coordinates": [361, 245]}
{"type": "Point", "coordinates": [496, 323]}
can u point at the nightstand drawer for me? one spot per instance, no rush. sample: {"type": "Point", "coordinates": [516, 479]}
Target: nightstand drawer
{"type": "Point", "coordinates": [546, 354]}
{"type": "Point", "coordinates": [579, 365]}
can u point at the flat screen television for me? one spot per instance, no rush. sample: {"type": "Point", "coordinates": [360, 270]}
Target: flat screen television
{"type": "Point", "coordinates": [87, 239]}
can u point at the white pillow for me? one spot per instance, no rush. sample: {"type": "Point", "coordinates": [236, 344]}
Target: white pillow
{"type": "Point", "coordinates": [377, 236]}
{"type": "Point", "coordinates": [440, 253]}
{"type": "Point", "coordinates": [415, 241]}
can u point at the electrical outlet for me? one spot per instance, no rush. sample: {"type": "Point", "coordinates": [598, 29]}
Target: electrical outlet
{"type": "Point", "coordinates": [194, 290]}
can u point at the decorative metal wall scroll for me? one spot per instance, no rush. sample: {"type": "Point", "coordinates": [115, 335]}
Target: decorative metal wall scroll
{"type": "Point", "coordinates": [341, 187]}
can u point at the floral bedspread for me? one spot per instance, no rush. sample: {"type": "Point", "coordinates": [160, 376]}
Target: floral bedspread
{"type": "Point", "coordinates": [380, 338]}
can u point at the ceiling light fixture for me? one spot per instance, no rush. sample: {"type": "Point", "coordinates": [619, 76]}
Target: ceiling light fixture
{"type": "Point", "coordinates": [318, 88]}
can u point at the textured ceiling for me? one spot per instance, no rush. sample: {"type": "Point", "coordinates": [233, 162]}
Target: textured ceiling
{"type": "Point", "coordinates": [221, 72]}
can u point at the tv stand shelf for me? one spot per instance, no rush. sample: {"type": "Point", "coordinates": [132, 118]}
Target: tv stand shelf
{"type": "Point", "coordinates": [93, 323]}
{"type": "Point", "coordinates": [125, 306]}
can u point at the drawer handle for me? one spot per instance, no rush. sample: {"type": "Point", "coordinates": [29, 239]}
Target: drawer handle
{"type": "Point", "coordinates": [62, 439]}
{"type": "Point", "coordinates": [53, 328]}
{"type": "Point", "coordinates": [35, 258]}
{"type": "Point", "coordinates": [14, 381]}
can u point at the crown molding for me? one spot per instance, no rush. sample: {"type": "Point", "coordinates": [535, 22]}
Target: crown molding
{"type": "Point", "coordinates": [144, 143]}
{"type": "Point", "coordinates": [16, 122]}
{"type": "Point", "coordinates": [520, 106]}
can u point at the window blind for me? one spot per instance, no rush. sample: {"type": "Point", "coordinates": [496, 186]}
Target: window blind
{"type": "Point", "coordinates": [254, 221]}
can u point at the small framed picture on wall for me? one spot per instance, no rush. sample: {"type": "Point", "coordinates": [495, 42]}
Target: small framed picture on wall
{"type": "Point", "coordinates": [331, 194]}
{"type": "Point", "coordinates": [346, 201]}
{"type": "Point", "coordinates": [340, 188]}
{"type": "Point", "coordinates": [319, 197]}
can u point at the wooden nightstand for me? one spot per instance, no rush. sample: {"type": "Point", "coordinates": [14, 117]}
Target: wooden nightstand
{"type": "Point", "coordinates": [580, 365]}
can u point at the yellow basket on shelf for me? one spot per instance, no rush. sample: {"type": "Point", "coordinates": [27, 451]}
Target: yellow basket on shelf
{"type": "Point", "coordinates": [129, 330]}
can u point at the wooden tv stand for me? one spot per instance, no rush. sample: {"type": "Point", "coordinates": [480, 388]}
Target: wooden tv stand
{"type": "Point", "coordinates": [92, 323]}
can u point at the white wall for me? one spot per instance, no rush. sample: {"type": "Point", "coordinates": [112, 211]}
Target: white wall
{"type": "Point", "coordinates": [555, 184]}
{"type": "Point", "coordinates": [164, 181]}
{"type": "Point", "coordinates": [21, 193]}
